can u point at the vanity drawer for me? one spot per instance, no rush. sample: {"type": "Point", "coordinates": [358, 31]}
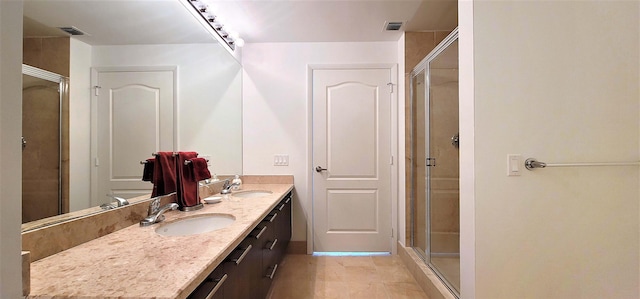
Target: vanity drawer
{"type": "Point", "coordinates": [242, 266]}
{"type": "Point", "coordinates": [213, 286]}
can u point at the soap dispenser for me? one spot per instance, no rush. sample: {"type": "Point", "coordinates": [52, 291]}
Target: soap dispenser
{"type": "Point", "coordinates": [215, 178]}
{"type": "Point", "coordinates": [237, 183]}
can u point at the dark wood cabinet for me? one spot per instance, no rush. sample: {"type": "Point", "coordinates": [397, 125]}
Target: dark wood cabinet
{"type": "Point", "coordinates": [269, 259]}
{"type": "Point", "coordinates": [241, 267]}
{"type": "Point", "coordinates": [283, 226]}
{"type": "Point", "coordinates": [276, 247]}
{"type": "Point", "coordinates": [213, 285]}
{"type": "Point", "coordinates": [247, 273]}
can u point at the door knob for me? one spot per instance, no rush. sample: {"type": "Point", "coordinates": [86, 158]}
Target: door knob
{"type": "Point", "coordinates": [320, 169]}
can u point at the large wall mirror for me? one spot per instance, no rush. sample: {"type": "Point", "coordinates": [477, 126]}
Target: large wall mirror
{"type": "Point", "coordinates": [125, 43]}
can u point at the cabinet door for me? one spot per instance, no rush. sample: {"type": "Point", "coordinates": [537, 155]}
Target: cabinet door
{"type": "Point", "coordinates": [213, 286]}
{"type": "Point", "coordinates": [269, 257]}
{"type": "Point", "coordinates": [241, 267]}
{"type": "Point", "coordinates": [283, 226]}
{"type": "Point", "coordinates": [263, 235]}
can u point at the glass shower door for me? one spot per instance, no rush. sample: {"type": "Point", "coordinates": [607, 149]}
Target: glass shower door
{"type": "Point", "coordinates": [418, 168]}
{"type": "Point", "coordinates": [41, 150]}
{"type": "Point", "coordinates": [443, 166]}
{"type": "Point", "coordinates": [433, 181]}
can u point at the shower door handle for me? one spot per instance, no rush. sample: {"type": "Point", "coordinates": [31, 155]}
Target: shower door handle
{"type": "Point", "coordinates": [455, 140]}
{"type": "Point", "coordinates": [320, 169]}
{"type": "Point", "coordinates": [431, 162]}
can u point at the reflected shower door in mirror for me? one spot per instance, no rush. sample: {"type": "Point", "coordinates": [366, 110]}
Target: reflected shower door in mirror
{"type": "Point", "coordinates": [127, 35]}
{"type": "Point", "coordinates": [435, 227]}
{"type": "Point", "coordinates": [42, 145]}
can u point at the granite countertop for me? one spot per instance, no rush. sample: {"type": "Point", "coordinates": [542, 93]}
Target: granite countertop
{"type": "Point", "coordinates": [136, 262]}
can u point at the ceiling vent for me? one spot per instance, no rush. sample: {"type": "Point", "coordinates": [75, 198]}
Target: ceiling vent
{"type": "Point", "coordinates": [72, 30]}
{"type": "Point", "coordinates": [392, 26]}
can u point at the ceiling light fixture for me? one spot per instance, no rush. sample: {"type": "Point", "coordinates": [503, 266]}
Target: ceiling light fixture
{"type": "Point", "coordinates": [216, 24]}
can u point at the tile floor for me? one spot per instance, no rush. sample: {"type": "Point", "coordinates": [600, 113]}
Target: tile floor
{"type": "Point", "coordinates": [344, 277]}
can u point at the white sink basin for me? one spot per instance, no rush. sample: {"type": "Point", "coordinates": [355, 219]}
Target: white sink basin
{"type": "Point", "coordinates": [195, 225]}
{"type": "Point", "coordinates": [251, 193]}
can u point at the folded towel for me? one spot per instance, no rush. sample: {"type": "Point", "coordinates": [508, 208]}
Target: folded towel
{"type": "Point", "coordinates": [187, 187]}
{"type": "Point", "coordinates": [200, 169]}
{"type": "Point", "coordinates": [147, 173]}
{"type": "Point", "coordinates": [164, 174]}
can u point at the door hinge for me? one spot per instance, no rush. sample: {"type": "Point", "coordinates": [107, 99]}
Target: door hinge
{"type": "Point", "coordinates": [431, 162]}
{"type": "Point", "coordinates": [97, 162]}
{"type": "Point", "coordinates": [97, 90]}
{"type": "Point", "coordinates": [392, 232]}
{"type": "Point", "coordinates": [390, 87]}
{"type": "Point", "coordinates": [391, 162]}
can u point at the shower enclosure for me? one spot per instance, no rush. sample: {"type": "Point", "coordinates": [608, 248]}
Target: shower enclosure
{"type": "Point", "coordinates": [434, 167]}
{"type": "Point", "coordinates": [42, 144]}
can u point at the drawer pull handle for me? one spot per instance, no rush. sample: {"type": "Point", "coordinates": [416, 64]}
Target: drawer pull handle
{"type": "Point", "coordinates": [244, 253]}
{"type": "Point", "coordinates": [218, 285]}
{"type": "Point", "coordinates": [288, 200]}
{"type": "Point", "coordinates": [264, 228]}
{"type": "Point", "coordinates": [273, 272]}
{"type": "Point", "coordinates": [273, 244]}
{"type": "Point", "coordinates": [273, 217]}
{"type": "Point", "coordinates": [281, 207]}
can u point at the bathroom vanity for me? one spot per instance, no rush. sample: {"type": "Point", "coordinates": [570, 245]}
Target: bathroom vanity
{"type": "Point", "coordinates": [236, 261]}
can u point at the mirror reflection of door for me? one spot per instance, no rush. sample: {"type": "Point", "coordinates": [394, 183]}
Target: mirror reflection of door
{"type": "Point", "coordinates": [41, 155]}
{"type": "Point", "coordinates": [135, 111]}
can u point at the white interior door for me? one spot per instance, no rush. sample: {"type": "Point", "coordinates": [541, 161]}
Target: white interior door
{"type": "Point", "coordinates": [135, 118]}
{"type": "Point", "coordinates": [351, 140]}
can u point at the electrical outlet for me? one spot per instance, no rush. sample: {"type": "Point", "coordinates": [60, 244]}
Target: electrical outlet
{"type": "Point", "coordinates": [281, 160]}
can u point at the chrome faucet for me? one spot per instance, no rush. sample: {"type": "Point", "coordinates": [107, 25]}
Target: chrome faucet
{"type": "Point", "coordinates": [120, 201]}
{"type": "Point", "coordinates": [156, 212]}
{"type": "Point", "coordinates": [226, 188]}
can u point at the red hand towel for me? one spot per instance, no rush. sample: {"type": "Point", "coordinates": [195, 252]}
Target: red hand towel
{"type": "Point", "coordinates": [187, 190]}
{"type": "Point", "coordinates": [147, 173]}
{"type": "Point", "coordinates": [200, 169]}
{"type": "Point", "coordinates": [164, 174]}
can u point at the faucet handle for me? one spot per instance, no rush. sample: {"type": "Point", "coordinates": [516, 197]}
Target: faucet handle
{"type": "Point", "coordinates": [119, 200]}
{"type": "Point", "coordinates": [154, 206]}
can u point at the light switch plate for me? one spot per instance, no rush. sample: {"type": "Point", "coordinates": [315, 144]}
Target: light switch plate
{"type": "Point", "coordinates": [513, 165]}
{"type": "Point", "coordinates": [281, 160]}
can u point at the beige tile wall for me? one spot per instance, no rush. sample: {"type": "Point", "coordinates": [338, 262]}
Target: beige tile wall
{"type": "Point", "coordinates": [49, 53]}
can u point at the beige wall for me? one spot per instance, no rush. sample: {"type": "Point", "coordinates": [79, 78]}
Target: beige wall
{"type": "Point", "coordinates": [275, 92]}
{"type": "Point", "coordinates": [80, 125]}
{"type": "Point", "coordinates": [558, 81]}
{"type": "Point", "coordinates": [10, 158]}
